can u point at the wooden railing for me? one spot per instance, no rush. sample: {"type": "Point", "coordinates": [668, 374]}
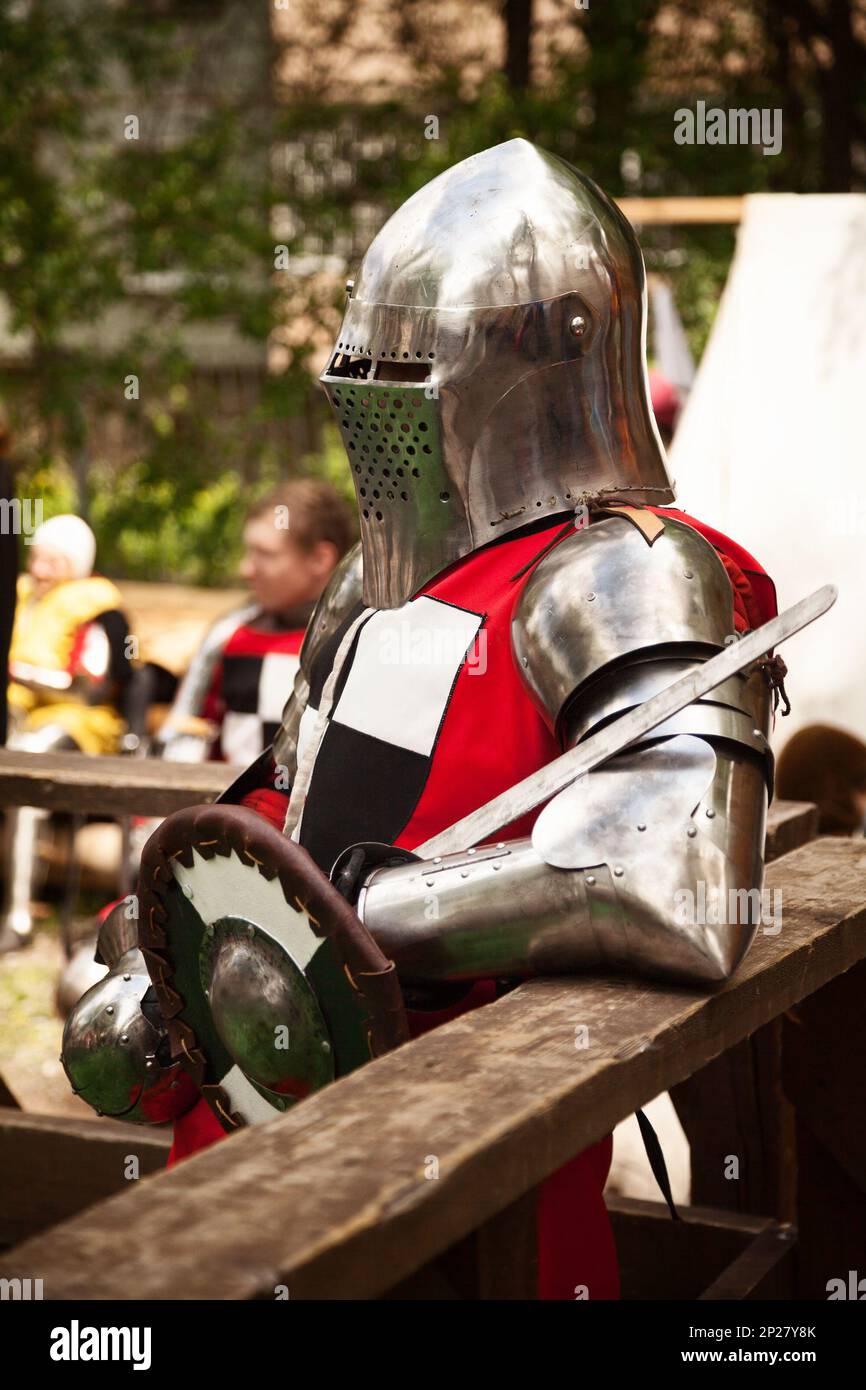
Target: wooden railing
{"type": "Point", "coordinates": [416, 1175]}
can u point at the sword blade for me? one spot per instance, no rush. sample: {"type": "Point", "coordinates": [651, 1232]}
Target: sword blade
{"type": "Point", "coordinates": [622, 732]}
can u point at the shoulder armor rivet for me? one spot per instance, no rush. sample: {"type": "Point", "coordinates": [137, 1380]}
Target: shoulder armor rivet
{"type": "Point", "coordinates": [590, 597]}
{"type": "Point", "coordinates": [110, 1010]}
{"type": "Point", "coordinates": [590, 878]}
{"type": "Point", "coordinates": [757, 733]}
{"type": "Point", "coordinates": [429, 882]}
{"type": "Point", "coordinates": [496, 866]}
{"type": "Point", "coordinates": [470, 851]}
{"type": "Point", "coordinates": [149, 1065]}
{"type": "Point", "coordinates": [710, 813]}
{"type": "Point", "coordinates": [641, 827]}
{"type": "Point", "coordinates": [438, 859]}
{"type": "Point", "coordinates": [688, 574]}
{"type": "Point", "coordinates": [251, 931]}
{"type": "Point", "coordinates": [691, 832]}
{"type": "Point", "coordinates": [501, 845]}
{"type": "Point", "coordinates": [577, 326]}
{"type": "Point", "coordinates": [124, 1037]}
{"type": "Point", "coordinates": [127, 976]}
{"type": "Point", "coordinates": [617, 871]}
{"type": "Point", "coordinates": [464, 873]}
{"type": "Point", "coordinates": [524, 661]}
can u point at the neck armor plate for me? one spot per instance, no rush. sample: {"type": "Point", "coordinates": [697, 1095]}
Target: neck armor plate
{"type": "Point", "coordinates": [490, 368]}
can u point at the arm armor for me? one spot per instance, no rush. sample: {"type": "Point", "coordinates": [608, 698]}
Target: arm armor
{"type": "Point", "coordinates": [652, 863]}
{"type": "Point", "coordinates": [115, 1049]}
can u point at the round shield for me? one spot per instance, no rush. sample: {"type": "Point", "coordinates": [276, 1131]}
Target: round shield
{"type": "Point", "coordinates": [269, 983]}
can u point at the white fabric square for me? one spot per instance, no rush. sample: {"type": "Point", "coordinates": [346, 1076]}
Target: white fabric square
{"type": "Point", "coordinates": [400, 680]}
{"type": "Point", "coordinates": [241, 737]}
{"type": "Point", "coordinates": [275, 684]}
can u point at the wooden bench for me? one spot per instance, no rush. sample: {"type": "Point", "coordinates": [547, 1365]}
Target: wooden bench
{"type": "Point", "coordinates": [416, 1175]}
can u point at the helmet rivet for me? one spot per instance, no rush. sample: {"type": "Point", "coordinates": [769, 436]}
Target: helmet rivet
{"type": "Point", "coordinates": [590, 597]}
{"type": "Point", "coordinates": [688, 574]}
{"type": "Point", "coordinates": [710, 813]}
{"type": "Point", "coordinates": [127, 976]}
{"type": "Point", "coordinates": [577, 327]}
{"type": "Point", "coordinates": [692, 832]}
{"type": "Point", "coordinates": [618, 871]}
{"type": "Point", "coordinates": [590, 878]}
{"type": "Point", "coordinates": [110, 1010]}
{"type": "Point", "coordinates": [124, 1037]}
{"type": "Point", "coordinates": [642, 826]}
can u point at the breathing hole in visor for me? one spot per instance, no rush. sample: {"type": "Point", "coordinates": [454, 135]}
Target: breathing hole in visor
{"type": "Point", "coordinates": [401, 371]}
{"type": "Point", "coordinates": [351, 368]}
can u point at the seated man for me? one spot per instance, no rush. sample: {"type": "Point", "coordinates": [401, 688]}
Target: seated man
{"type": "Point", "coordinates": [68, 669]}
{"type": "Point", "coordinates": [230, 701]}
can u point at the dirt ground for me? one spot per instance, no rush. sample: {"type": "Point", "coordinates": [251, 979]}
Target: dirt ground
{"type": "Point", "coordinates": [31, 1028]}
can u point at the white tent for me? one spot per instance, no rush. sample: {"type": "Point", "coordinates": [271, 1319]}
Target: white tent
{"type": "Point", "coordinates": [772, 445]}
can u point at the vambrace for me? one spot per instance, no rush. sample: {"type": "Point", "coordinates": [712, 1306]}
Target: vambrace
{"type": "Point", "coordinates": [652, 863]}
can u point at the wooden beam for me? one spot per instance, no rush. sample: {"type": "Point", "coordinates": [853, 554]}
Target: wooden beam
{"type": "Point", "coordinates": [673, 212]}
{"type": "Point", "coordinates": [108, 786]}
{"type": "Point", "coordinates": [824, 1070]}
{"type": "Point", "coordinates": [52, 1166]}
{"type": "Point", "coordinates": [335, 1199]}
{"type": "Point", "coordinates": [661, 1259]}
{"type": "Point", "coordinates": [765, 1270]}
{"type": "Point", "coordinates": [789, 825]}
{"type": "Point", "coordinates": [735, 1107]}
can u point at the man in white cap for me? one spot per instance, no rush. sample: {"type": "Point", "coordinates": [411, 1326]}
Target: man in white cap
{"type": "Point", "coordinates": [68, 666]}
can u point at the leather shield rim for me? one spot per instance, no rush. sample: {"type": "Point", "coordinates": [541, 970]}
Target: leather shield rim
{"type": "Point", "coordinates": [226, 829]}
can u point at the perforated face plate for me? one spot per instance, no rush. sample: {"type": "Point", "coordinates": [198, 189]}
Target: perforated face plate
{"type": "Point", "coordinates": [391, 435]}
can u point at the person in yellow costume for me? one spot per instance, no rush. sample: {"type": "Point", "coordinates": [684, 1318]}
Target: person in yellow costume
{"type": "Point", "coordinates": [68, 666]}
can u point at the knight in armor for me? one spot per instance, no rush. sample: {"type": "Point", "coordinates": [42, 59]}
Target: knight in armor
{"type": "Point", "coordinates": [68, 670]}
{"type": "Point", "coordinates": [522, 580]}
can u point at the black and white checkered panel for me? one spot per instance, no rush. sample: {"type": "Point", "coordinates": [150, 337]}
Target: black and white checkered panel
{"type": "Point", "coordinates": [255, 689]}
{"type": "Point", "coordinates": [375, 750]}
